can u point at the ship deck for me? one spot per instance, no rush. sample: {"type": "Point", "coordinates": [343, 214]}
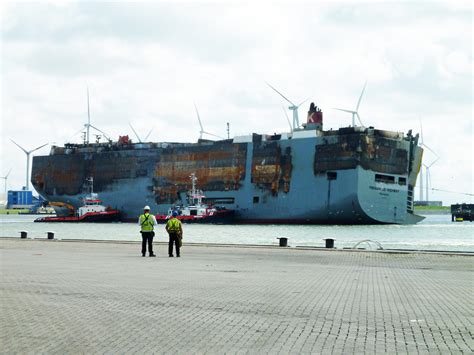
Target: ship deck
{"type": "Point", "coordinates": [85, 297]}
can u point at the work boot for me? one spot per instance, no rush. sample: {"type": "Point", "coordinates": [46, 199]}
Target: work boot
{"type": "Point", "coordinates": [152, 255]}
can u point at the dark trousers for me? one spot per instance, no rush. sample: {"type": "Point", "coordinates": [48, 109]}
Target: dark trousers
{"type": "Point", "coordinates": [147, 237]}
{"type": "Point", "coordinates": [173, 239]}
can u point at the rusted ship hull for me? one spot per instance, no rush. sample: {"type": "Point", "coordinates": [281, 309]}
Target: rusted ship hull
{"type": "Point", "coordinates": [350, 176]}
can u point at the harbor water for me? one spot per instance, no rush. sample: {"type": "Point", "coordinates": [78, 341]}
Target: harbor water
{"type": "Point", "coordinates": [436, 232]}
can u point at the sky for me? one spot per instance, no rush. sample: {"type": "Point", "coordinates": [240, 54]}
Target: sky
{"type": "Point", "coordinates": [147, 63]}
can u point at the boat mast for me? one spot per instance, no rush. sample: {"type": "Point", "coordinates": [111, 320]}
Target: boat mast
{"type": "Point", "coordinates": [194, 192]}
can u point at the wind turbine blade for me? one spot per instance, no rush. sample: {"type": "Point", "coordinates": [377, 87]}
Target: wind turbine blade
{"type": "Point", "coordinates": [212, 134]}
{"type": "Point", "coordinates": [288, 119]}
{"type": "Point", "coordinates": [279, 93]}
{"type": "Point", "coordinates": [19, 146]}
{"type": "Point", "coordinates": [74, 134]}
{"type": "Point", "coordinates": [421, 132]}
{"type": "Point", "coordinates": [148, 135]}
{"type": "Point", "coordinates": [139, 140]}
{"type": "Point", "coordinates": [9, 171]}
{"type": "Point", "coordinates": [429, 166]}
{"type": "Point", "coordinates": [302, 102]}
{"type": "Point", "coordinates": [199, 118]}
{"type": "Point", "coordinates": [360, 97]}
{"type": "Point", "coordinates": [31, 151]}
{"type": "Point", "coordinates": [431, 150]}
{"type": "Point", "coordinates": [360, 121]}
{"type": "Point", "coordinates": [341, 109]}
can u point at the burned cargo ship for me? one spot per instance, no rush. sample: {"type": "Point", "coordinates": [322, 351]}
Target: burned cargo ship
{"type": "Point", "coordinates": [353, 175]}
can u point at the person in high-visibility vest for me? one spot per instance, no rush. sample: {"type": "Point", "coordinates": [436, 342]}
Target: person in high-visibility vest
{"type": "Point", "coordinates": [147, 223]}
{"type": "Point", "coordinates": [175, 231]}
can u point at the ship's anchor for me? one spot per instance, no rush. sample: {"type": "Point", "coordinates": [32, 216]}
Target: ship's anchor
{"type": "Point", "coordinates": [368, 241]}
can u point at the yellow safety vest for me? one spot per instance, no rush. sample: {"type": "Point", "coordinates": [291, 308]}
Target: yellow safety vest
{"type": "Point", "coordinates": [173, 224]}
{"type": "Point", "coordinates": [146, 222]}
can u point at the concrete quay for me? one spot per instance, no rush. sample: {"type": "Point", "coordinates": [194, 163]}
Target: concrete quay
{"type": "Point", "coordinates": [82, 297]}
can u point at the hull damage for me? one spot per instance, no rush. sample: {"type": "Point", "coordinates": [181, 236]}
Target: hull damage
{"type": "Point", "coordinates": [354, 175]}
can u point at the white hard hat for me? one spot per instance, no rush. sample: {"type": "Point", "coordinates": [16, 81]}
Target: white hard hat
{"type": "Point", "coordinates": [146, 208]}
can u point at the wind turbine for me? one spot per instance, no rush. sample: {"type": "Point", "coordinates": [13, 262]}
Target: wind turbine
{"type": "Point", "coordinates": [427, 167]}
{"type": "Point", "coordinates": [428, 177]}
{"type": "Point", "coordinates": [202, 131]}
{"type": "Point", "coordinates": [6, 178]}
{"type": "Point", "coordinates": [356, 111]}
{"type": "Point", "coordinates": [88, 124]}
{"type": "Point", "coordinates": [139, 140]}
{"type": "Point", "coordinates": [27, 160]}
{"type": "Point", "coordinates": [293, 107]}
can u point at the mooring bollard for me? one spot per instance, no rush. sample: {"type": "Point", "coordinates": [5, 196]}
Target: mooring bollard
{"type": "Point", "coordinates": [329, 243]}
{"type": "Point", "coordinates": [50, 235]}
{"type": "Point", "coordinates": [283, 242]}
{"type": "Point", "coordinates": [23, 234]}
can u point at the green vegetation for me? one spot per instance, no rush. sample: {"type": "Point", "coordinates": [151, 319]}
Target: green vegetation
{"type": "Point", "coordinates": [11, 211]}
{"type": "Point", "coordinates": [433, 209]}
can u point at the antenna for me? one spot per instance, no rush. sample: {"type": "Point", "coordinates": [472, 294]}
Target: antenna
{"type": "Point", "coordinates": [6, 178]}
{"type": "Point", "coordinates": [293, 107]}
{"type": "Point", "coordinates": [27, 160]}
{"type": "Point", "coordinates": [98, 130]}
{"type": "Point", "coordinates": [356, 111]}
{"type": "Point", "coordinates": [202, 131]}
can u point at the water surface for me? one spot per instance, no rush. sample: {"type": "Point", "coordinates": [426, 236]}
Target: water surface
{"type": "Point", "coordinates": [436, 232]}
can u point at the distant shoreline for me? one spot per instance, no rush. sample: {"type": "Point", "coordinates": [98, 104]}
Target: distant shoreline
{"type": "Point", "coordinates": [432, 209]}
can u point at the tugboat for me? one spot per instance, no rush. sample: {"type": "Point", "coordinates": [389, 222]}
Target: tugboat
{"type": "Point", "coordinates": [92, 210]}
{"type": "Point", "coordinates": [196, 211]}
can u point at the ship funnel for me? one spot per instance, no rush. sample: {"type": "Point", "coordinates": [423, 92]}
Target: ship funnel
{"type": "Point", "coordinates": [315, 117]}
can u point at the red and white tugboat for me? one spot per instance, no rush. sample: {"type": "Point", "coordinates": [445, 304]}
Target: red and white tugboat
{"type": "Point", "coordinates": [92, 210]}
{"type": "Point", "coordinates": [196, 211]}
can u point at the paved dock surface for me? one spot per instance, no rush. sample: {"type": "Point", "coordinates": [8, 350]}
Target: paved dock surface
{"type": "Point", "coordinates": [80, 297]}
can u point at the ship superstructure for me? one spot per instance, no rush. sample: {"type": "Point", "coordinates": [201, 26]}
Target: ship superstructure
{"type": "Point", "coordinates": [353, 175]}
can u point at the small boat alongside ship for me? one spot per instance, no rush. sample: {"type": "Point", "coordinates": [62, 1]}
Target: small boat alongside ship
{"type": "Point", "coordinates": [196, 211]}
{"type": "Point", "coordinates": [92, 210]}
